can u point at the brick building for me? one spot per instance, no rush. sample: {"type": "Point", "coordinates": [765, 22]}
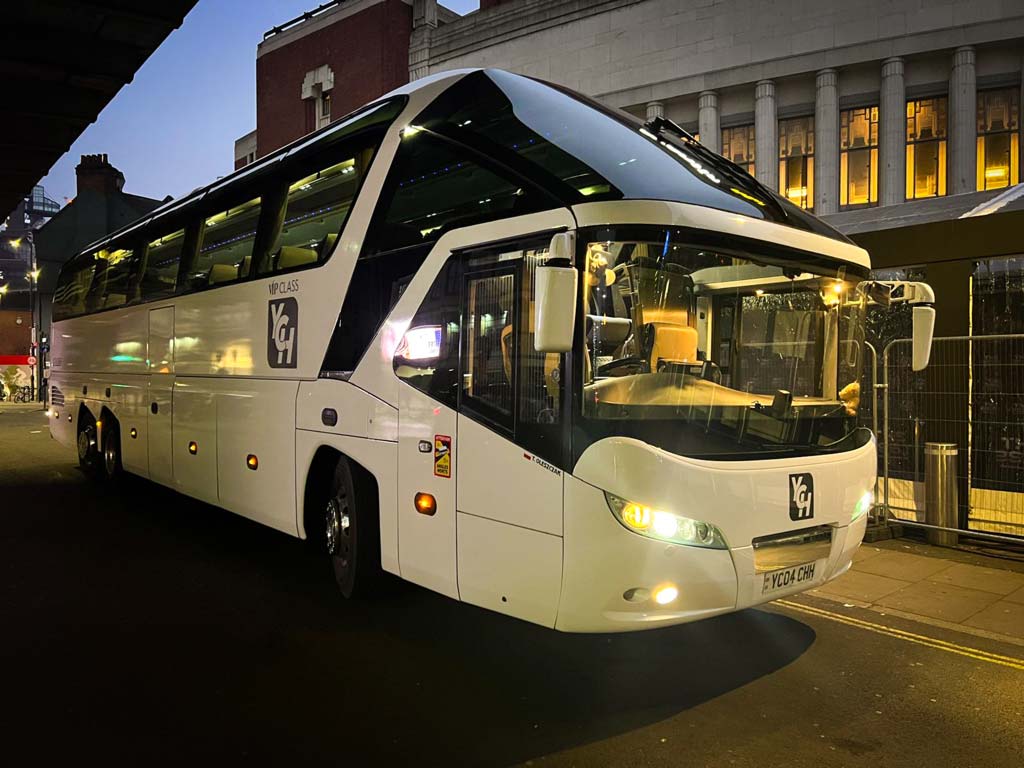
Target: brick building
{"type": "Point", "coordinates": [324, 64]}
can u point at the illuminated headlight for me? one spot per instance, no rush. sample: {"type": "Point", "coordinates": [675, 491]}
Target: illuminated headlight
{"type": "Point", "coordinates": [863, 505]}
{"type": "Point", "coordinates": [667, 526]}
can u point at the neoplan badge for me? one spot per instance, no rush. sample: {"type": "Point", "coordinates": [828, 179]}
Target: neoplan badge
{"type": "Point", "coordinates": [442, 456]}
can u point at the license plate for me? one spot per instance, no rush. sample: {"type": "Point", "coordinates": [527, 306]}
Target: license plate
{"type": "Point", "coordinates": [787, 578]}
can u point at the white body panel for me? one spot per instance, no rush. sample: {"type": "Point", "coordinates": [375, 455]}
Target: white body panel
{"type": "Point", "coordinates": [509, 569]}
{"type": "Point", "coordinates": [500, 481]}
{"type": "Point", "coordinates": [426, 542]}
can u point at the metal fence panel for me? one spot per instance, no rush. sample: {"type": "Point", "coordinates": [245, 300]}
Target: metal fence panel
{"type": "Point", "coordinates": [971, 394]}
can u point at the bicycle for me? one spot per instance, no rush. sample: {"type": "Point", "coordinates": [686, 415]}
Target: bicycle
{"type": "Point", "coordinates": [22, 395]}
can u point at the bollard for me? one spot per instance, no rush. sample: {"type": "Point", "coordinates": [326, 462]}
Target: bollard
{"type": "Point", "coordinates": [940, 492]}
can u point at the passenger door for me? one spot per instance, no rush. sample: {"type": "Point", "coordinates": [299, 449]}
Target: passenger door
{"type": "Point", "coordinates": [161, 386]}
{"type": "Point", "coordinates": [472, 463]}
{"type": "Point", "coordinates": [511, 435]}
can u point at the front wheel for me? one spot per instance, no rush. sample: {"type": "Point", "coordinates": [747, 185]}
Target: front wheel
{"type": "Point", "coordinates": [350, 531]}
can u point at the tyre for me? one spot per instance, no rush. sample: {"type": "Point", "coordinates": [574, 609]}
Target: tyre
{"type": "Point", "coordinates": [112, 468]}
{"type": "Point", "coordinates": [351, 535]}
{"type": "Point", "coordinates": [88, 447]}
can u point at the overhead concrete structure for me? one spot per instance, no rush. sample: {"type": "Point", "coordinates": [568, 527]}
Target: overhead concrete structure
{"type": "Point", "coordinates": [61, 63]}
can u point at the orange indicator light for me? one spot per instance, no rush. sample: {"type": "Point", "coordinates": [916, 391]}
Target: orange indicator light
{"type": "Point", "coordinates": [426, 504]}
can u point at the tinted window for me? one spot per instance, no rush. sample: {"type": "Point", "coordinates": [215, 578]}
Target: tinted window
{"type": "Point", "coordinates": [489, 346]}
{"type": "Point", "coordinates": [581, 150]}
{"type": "Point", "coordinates": [73, 286]}
{"type": "Point", "coordinates": [113, 274]}
{"type": "Point", "coordinates": [226, 251]}
{"type": "Point", "coordinates": [376, 285]}
{"type": "Point", "coordinates": [491, 291]}
{"type": "Point", "coordinates": [435, 187]}
{"type": "Point", "coordinates": [303, 229]}
{"type": "Point", "coordinates": [427, 357]}
{"type": "Point", "coordinates": [163, 256]}
{"type": "Point", "coordinates": [119, 267]}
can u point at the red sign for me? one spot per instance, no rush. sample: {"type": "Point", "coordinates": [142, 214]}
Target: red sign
{"type": "Point", "coordinates": [6, 360]}
{"type": "Point", "coordinates": [31, 360]}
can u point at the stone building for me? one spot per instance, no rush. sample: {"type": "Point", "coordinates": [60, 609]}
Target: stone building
{"type": "Point", "coordinates": [897, 121]}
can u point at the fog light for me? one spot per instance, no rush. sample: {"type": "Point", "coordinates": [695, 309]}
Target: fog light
{"type": "Point", "coordinates": [666, 594]}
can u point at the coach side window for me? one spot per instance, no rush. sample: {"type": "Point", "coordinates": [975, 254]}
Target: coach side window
{"type": "Point", "coordinates": [435, 187]}
{"type": "Point", "coordinates": [427, 356]}
{"type": "Point", "coordinates": [304, 227]}
{"type": "Point", "coordinates": [119, 266]}
{"type": "Point", "coordinates": [73, 286]}
{"type": "Point", "coordinates": [163, 255]}
{"type": "Point", "coordinates": [225, 254]}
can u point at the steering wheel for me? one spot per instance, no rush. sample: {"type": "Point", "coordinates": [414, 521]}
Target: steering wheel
{"type": "Point", "coordinates": [624, 362]}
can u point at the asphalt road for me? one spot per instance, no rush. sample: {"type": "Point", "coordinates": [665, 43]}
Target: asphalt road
{"type": "Point", "coordinates": [138, 626]}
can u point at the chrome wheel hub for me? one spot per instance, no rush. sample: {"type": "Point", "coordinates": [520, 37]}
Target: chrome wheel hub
{"type": "Point", "coordinates": [336, 526]}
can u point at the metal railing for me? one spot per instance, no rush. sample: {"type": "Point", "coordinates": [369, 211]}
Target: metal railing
{"type": "Point", "coordinates": [972, 396]}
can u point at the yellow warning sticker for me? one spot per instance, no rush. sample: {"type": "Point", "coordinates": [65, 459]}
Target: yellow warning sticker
{"type": "Point", "coordinates": [442, 456]}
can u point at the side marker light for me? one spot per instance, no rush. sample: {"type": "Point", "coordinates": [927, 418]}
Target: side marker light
{"type": "Point", "coordinates": [425, 504]}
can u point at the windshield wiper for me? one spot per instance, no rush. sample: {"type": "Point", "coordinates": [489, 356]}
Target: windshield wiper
{"type": "Point", "coordinates": [659, 126]}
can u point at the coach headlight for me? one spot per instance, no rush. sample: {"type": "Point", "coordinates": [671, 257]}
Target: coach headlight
{"type": "Point", "coordinates": [667, 526]}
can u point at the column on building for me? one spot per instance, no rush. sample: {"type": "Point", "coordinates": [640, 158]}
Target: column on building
{"type": "Point", "coordinates": [424, 22]}
{"type": "Point", "coordinates": [655, 109]}
{"type": "Point", "coordinates": [766, 134]}
{"type": "Point", "coordinates": [892, 134]}
{"type": "Point", "coordinates": [963, 131]}
{"type": "Point", "coordinates": [826, 142]}
{"type": "Point", "coordinates": [708, 124]}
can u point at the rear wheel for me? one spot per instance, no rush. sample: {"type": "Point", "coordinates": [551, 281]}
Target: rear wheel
{"type": "Point", "coordinates": [111, 451]}
{"type": "Point", "coordinates": [88, 447]}
{"type": "Point", "coordinates": [350, 532]}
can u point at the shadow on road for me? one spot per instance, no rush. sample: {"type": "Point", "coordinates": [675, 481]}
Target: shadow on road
{"type": "Point", "coordinates": [141, 624]}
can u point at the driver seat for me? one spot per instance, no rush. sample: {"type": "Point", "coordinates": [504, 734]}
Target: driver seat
{"type": "Point", "coordinates": [670, 342]}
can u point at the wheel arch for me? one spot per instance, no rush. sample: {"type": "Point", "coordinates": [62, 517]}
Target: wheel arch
{"type": "Point", "coordinates": [317, 483]}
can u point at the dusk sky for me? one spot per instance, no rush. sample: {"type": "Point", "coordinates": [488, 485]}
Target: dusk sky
{"type": "Point", "coordinates": [174, 126]}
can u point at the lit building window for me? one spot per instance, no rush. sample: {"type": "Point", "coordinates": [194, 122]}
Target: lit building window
{"type": "Point", "coordinates": [998, 153]}
{"type": "Point", "coordinates": [796, 161]}
{"type": "Point", "coordinates": [858, 157]}
{"type": "Point", "coordinates": [738, 146]}
{"type": "Point", "coordinates": [926, 148]}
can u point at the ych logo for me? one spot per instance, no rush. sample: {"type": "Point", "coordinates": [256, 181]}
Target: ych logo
{"type": "Point", "coordinates": [283, 333]}
{"type": "Point", "coordinates": [801, 497]}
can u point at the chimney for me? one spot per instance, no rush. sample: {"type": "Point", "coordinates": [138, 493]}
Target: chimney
{"type": "Point", "coordinates": [95, 173]}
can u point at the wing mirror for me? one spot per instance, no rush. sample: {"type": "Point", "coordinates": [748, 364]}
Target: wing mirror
{"type": "Point", "coordinates": [554, 308]}
{"type": "Point", "coordinates": [921, 297]}
{"type": "Point", "coordinates": [924, 329]}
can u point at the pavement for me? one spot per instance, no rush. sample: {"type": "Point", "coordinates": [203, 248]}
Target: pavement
{"type": "Point", "coordinates": [138, 626]}
{"type": "Point", "coordinates": [974, 594]}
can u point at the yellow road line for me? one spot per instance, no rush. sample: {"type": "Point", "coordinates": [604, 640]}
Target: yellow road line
{"type": "Point", "coordinates": [910, 637]}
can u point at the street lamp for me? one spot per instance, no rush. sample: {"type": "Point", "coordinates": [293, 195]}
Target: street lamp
{"type": "Point", "coordinates": [3, 290]}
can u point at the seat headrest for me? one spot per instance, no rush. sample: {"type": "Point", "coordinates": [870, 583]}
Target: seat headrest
{"type": "Point", "coordinates": [326, 246]}
{"type": "Point", "coordinates": [222, 273]}
{"type": "Point", "coordinates": [292, 256]}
